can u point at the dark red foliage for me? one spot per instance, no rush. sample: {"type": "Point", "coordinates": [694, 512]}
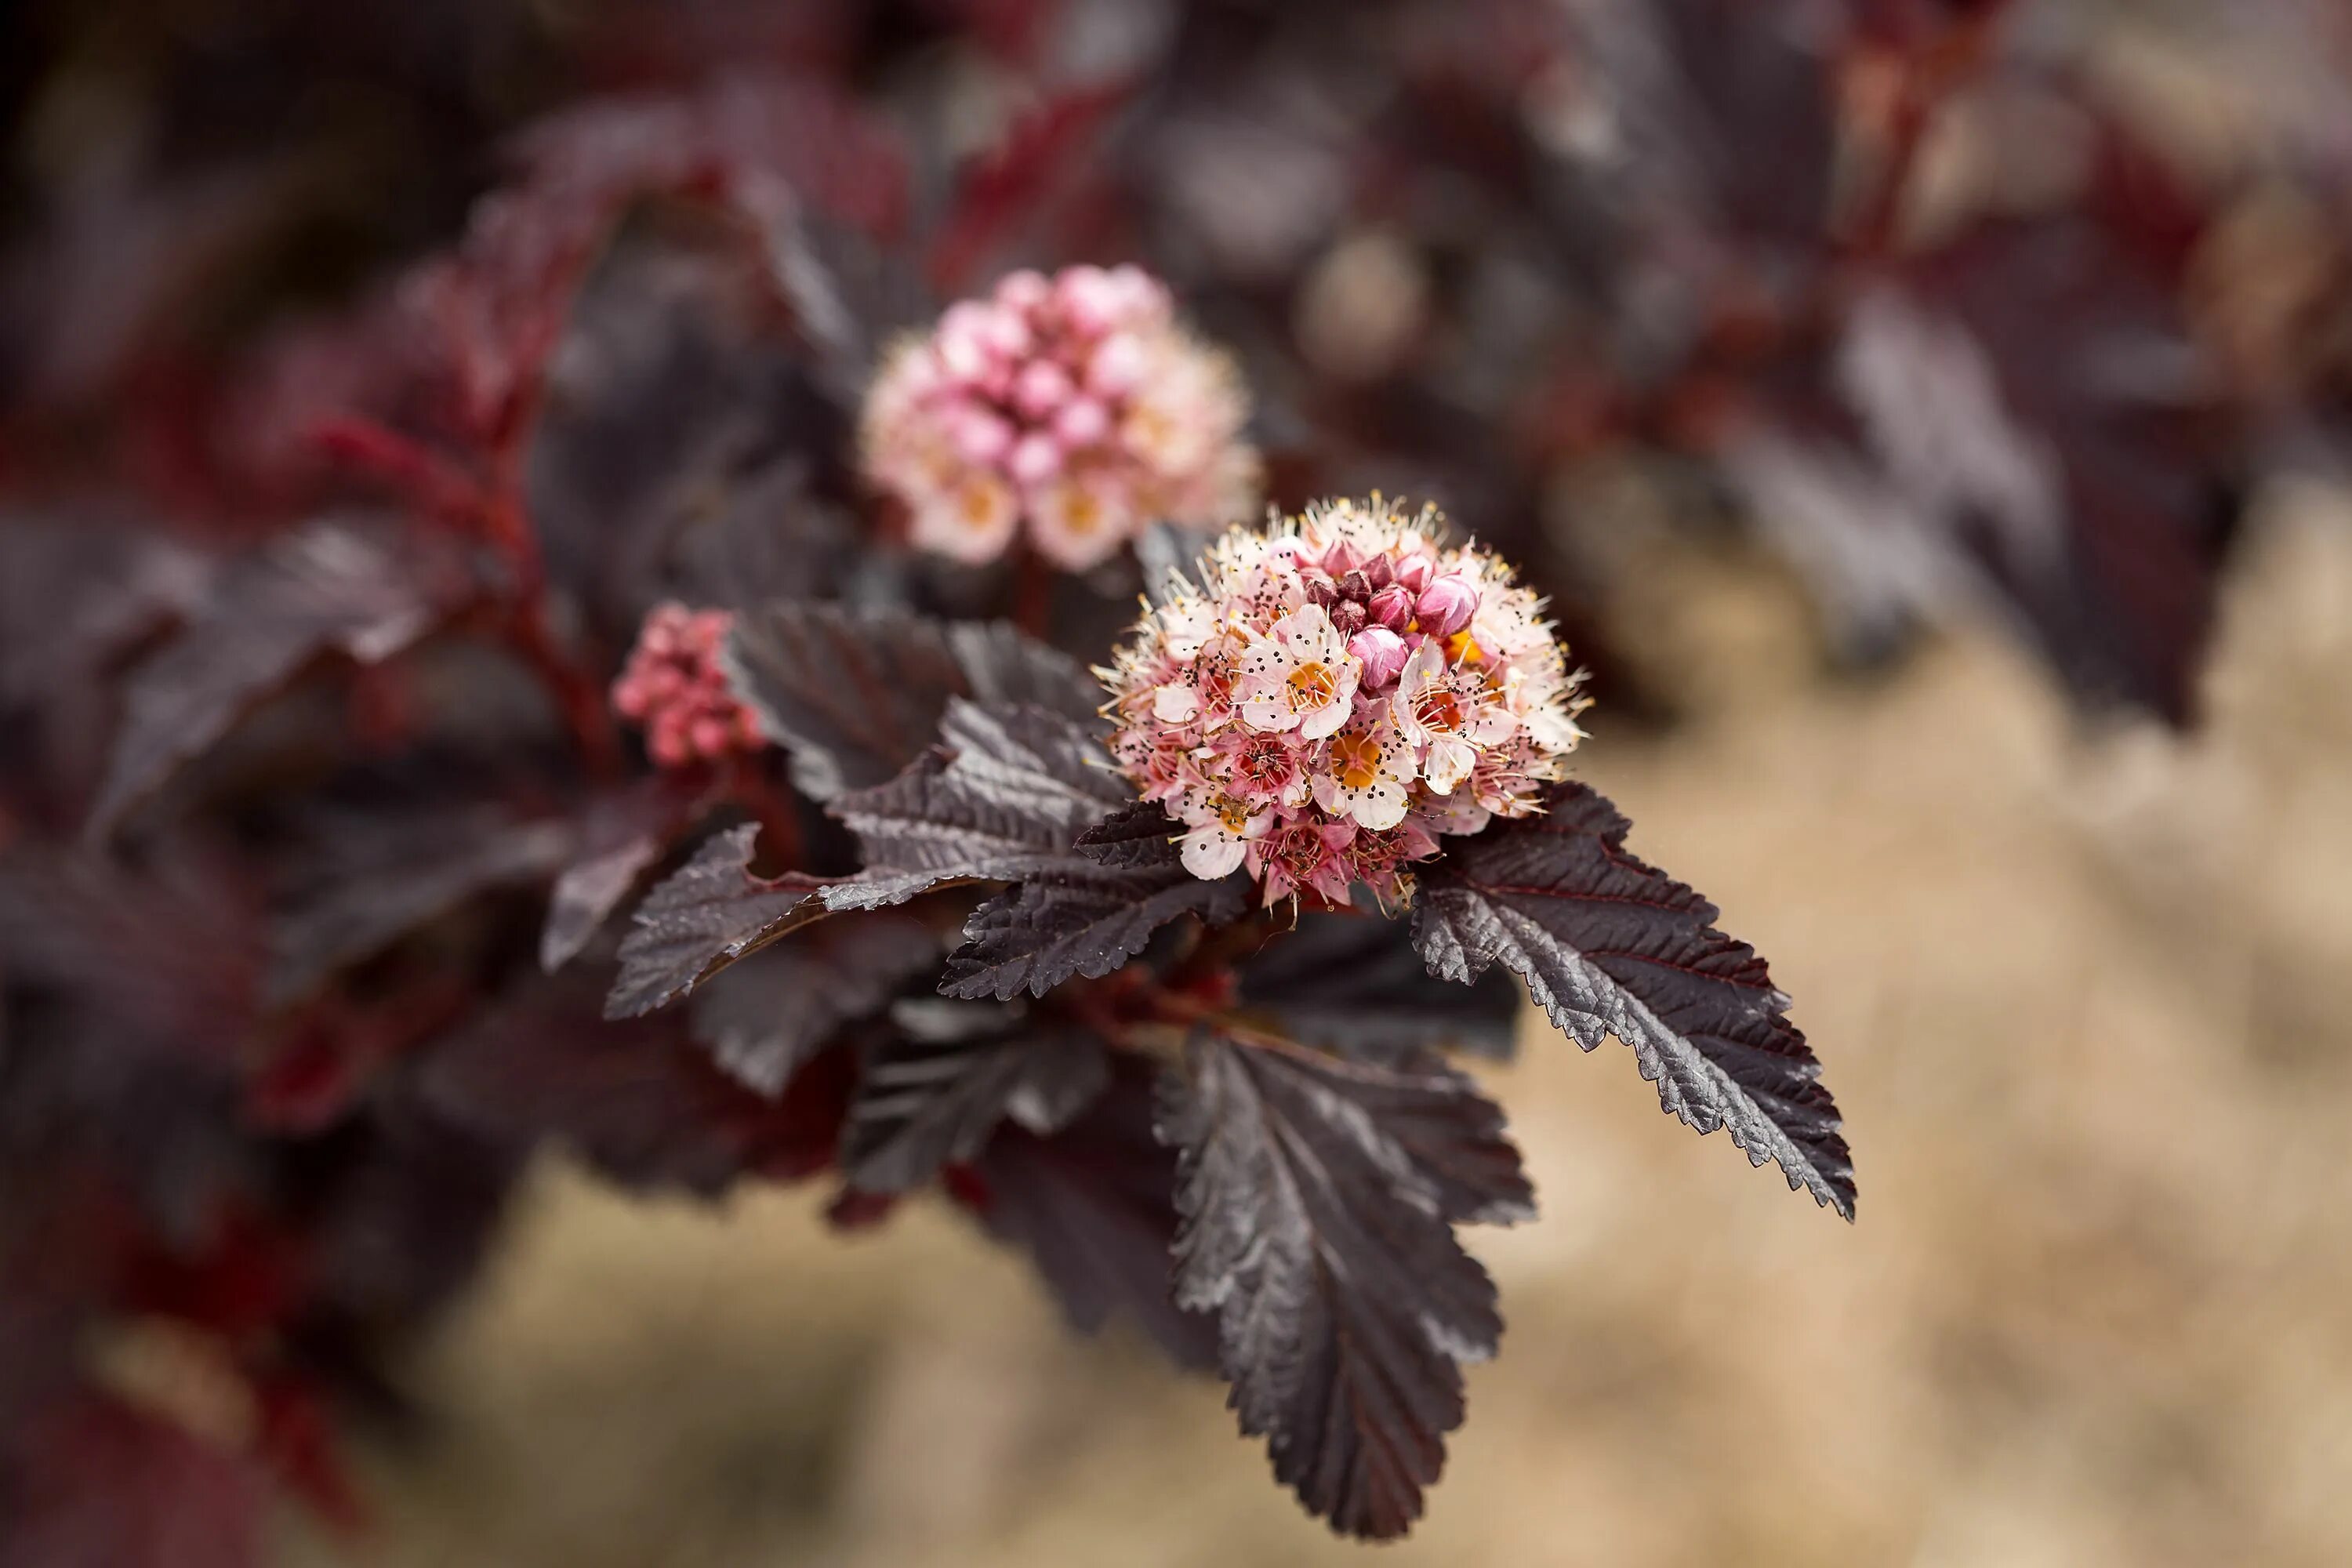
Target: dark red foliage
{"type": "Point", "coordinates": [334, 494]}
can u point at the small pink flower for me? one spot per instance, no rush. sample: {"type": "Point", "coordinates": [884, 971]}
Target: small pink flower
{"type": "Point", "coordinates": [1299, 674]}
{"type": "Point", "coordinates": [1319, 760]}
{"type": "Point", "coordinates": [1365, 771]}
{"type": "Point", "coordinates": [675, 688]}
{"type": "Point", "coordinates": [1081, 379]}
{"type": "Point", "coordinates": [1448, 713]}
{"type": "Point", "coordinates": [1217, 844]}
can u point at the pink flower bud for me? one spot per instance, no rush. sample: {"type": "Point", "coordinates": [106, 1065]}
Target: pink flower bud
{"type": "Point", "coordinates": [1140, 296]}
{"type": "Point", "coordinates": [1036, 457]}
{"type": "Point", "coordinates": [630, 697]}
{"type": "Point", "coordinates": [1446, 606]}
{"type": "Point", "coordinates": [712, 735]}
{"type": "Point", "coordinates": [1005, 333]}
{"type": "Point", "coordinates": [1041, 388]}
{"type": "Point", "coordinates": [1383, 654]}
{"type": "Point", "coordinates": [1081, 422]}
{"type": "Point", "coordinates": [668, 743]}
{"type": "Point", "coordinates": [1392, 607]}
{"type": "Point", "coordinates": [1342, 558]}
{"type": "Point", "coordinates": [1415, 573]}
{"type": "Point", "coordinates": [1023, 292]}
{"type": "Point", "coordinates": [962, 341]}
{"type": "Point", "coordinates": [1089, 299]}
{"type": "Point", "coordinates": [1119, 366]}
{"type": "Point", "coordinates": [980, 438]}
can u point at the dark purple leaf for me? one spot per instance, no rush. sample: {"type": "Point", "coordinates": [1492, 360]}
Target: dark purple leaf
{"type": "Point", "coordinates": [764, 1017]}
{"type": "Point", "coordinates": [1137, 836]}
{"type": "Point", "coordinates": [637, 1099]}
{"type": "Point", "coordinates": [932, 1091]}
{"type": "Point", "coordinates": [1001, 799]}
{"type": "Point", "coordinates": [1608, 945]}
{"type": "Point", "coordinates": [1354, 984]}
{"type": "Point", "coordinates": [620, 835]}
{"type": "Point", "coordinates": [1094, 1206]}
{"type": "Point", "coordinates": [1004, 796]}
{"type": "Point", "coordinates": [1320, 1198]}
{"type": "Point", "coordinates": [173, 951]}
{"type": "Point", "coordinates": [704, 916]}
{"type": "Point", "coordinates": [377, 879]}
{"type": "Point", "coordinates": [1043, 931]}
{"type": "Point", "coordinates": [855, 697]}
{"type": "Point", "coordinates": [92, 1481]}
{"type": "Point", "coordinates": [339, 586]}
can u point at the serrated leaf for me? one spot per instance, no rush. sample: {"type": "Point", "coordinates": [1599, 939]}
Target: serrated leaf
{"type": "Point", "coordinates": [705, 915]}
{"type": "Point", "coordinates": [377, 880]}
{"type": "Point", "coordinates": [1355, 985]}
{"type": "Point", "coordinates": [1140, 832]}
{"type": "Point", "coordinates": [1319, 1199]}
{"type": "Point", "coordinates": [1003, 796]}
{"type": "Point", "coordinates": [339, 585]}
{"type": "Point", "coordinates": [760, 1019]}
{"type": "Point", "coordinates": [856, 696]}
{"type": "Point", "coordinates": [934, 1089]}
{"type": "Point", "coordinates": [1042, 931]}
{"type": "Point", "coordinates": [1607, 945]}
{"type": "Point", "coordinates": [620, 835]}
{"type": "Point", "coordinates": [1094, 1207]}
{"type": "Point", "coordinates": [636, 1099]}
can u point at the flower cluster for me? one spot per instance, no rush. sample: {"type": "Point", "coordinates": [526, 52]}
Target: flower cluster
{"type": "Point", "coordinates": [1075, 405]}
{"type": "Point", "coordinates": [675, 688]}
{"type": "Point", "coordinates": [1341, 689]}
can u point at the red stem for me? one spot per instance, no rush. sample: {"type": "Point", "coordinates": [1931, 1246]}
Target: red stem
{"type": "Point", "coordinates": [1930, 75]}
{"type": "Point", "coordinates": [1033, 592]}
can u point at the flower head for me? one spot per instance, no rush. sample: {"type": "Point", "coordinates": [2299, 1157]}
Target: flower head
{"type": "Point", "coordinates": [1074, 406]}
{"type": "Point", "coordinates": [674, 686]}
{"type": "Point", "coordinates": [1341, 689]}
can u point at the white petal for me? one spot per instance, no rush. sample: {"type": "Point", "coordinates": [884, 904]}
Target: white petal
{"type": "Point", "coordinates": [1381, 806]}
{"type": "Point", "coordinates": [1491, 726]}
{"type": "Point", "coordinates": [1269, 715]}
{"type": "Point", "coordinates": [1449, 762]}
{"type": "Point", "coordinates": [1175, 704]}
{"type": "Point", "coordinates": [1324, 721]}
{"type": "Point", "coordinates": [1211, 852]}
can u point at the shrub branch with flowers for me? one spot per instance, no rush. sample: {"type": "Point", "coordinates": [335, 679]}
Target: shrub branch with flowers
{"type": "Point", "coordinates": [1341, 722]}
{"type": "Point", "coordinates": [1159, 989]}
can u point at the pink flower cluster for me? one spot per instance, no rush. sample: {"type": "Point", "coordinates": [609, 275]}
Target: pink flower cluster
{"type": "Point", "coordinates": [1341, 690]}
{"type": "Point", "coordinates": [1075, 404]}
{"type": "Point", "coordinates": [674, 686]}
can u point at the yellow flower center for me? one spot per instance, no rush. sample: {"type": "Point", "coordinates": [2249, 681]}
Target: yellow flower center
{"type": "Point", "coordinates": [1356, 760]}
{"type": "Point", "coordinates": [1439, 710]}
{"type": "Point", "coordinates": [1313, 685]}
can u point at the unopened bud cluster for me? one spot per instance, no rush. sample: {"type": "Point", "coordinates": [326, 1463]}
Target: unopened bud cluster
{"type": "Point", "coordinates": [674, 686]}
{"type": "Point", "coordinates": [1340, 691]}
{"type": "Point", "coordinates": [1073, 406]}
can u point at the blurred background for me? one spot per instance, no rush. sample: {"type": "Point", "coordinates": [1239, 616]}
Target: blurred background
{"type": "Point", "coordinates": [1928, 419]}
